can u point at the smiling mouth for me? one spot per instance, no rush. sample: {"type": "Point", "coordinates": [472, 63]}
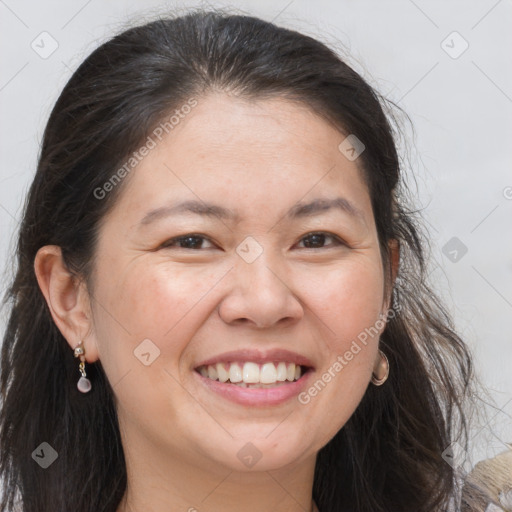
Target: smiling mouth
{"type": "Point", "coordinates": [253, 375]}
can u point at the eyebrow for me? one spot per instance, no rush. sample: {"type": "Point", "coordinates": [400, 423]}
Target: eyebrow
{"type": "Point", "coordinates": [300, 210]}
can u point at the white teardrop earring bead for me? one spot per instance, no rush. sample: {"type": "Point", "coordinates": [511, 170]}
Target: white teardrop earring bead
{"type": "Point", "coordinates": [84, 385]}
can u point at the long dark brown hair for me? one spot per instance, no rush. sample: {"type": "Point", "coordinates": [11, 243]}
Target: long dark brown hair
{"type": "Point", "coordinates": [388, 456]}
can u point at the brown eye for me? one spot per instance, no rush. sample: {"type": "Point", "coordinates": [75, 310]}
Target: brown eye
{"type": "Point", "coordinates": [191, 241]}
{"type": "Point", "coordinates": [318, 240]}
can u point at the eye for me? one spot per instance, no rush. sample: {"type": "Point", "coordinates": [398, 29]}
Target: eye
{"type": "Point", "coordinates": [189, 241]}
{"type": "Point", "coordinates": [317, 240]}
{"type": "Point", "coordinates": [195, 241]}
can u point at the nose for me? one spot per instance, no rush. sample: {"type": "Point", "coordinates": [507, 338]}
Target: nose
{"type": "Point", "coordinates": [261, 294]}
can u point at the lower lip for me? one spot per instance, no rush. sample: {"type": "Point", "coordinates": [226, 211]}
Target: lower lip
{"type": "Point", "coordinates": [256, 396]}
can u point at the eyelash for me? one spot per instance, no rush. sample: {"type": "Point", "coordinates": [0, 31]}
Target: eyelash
{"type": "Point", "coordinates": [168, 244]}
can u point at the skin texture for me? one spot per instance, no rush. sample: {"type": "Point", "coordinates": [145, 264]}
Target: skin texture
{"type": "Point", "coordinates": [181, 440]}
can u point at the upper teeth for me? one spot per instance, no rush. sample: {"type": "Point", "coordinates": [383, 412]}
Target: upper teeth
{"type": "Point", "coordinates": [252, 373]}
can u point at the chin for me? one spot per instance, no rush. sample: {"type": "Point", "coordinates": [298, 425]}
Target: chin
{"type": "Point", "coordinates": [257, 451]}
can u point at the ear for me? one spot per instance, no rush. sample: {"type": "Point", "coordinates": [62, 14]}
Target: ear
{"type": "Point", "coordinates": [394, 249]}
{"type": "Point", "coordinates": [67, 298]}
{"type": "Point", "coordinates": [394, 261]}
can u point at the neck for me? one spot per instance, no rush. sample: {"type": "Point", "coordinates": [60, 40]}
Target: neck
{"type": "Point", "coordinates": [159, 481]}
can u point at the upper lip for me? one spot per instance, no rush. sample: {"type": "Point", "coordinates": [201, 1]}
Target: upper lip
{"type": "Point", "coordinates": [258, 356]}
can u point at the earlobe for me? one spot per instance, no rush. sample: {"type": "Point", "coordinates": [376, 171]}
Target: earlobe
{"type": "Point", "coordinates": [66, 297]}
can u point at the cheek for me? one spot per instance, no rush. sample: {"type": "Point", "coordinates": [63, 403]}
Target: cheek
{"type": "Point", "coordinates": [160, 301]}
{"type": "Point", "coordinates": [156, 301]}
{"type": "Point", "coordinates": [348, 299]}
{"type": "Point", "coordinates": [152, 309]}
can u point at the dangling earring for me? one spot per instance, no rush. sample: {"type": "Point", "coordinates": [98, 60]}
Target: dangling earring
{"type": "Point", "coordinates": [381, 375]}
{"type": "Point", "coordinates": [84, 384]}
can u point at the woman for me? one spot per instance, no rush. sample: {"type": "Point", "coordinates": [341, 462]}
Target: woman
{"type": "Point", "coordinates": [220, 300]}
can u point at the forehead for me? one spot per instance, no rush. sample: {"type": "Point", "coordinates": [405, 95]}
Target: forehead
{"type": "Point", "coordinates": [241, 152]}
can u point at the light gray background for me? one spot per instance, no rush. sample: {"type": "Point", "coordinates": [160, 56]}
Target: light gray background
{"type": "Point", "coordinates": [461, 109]}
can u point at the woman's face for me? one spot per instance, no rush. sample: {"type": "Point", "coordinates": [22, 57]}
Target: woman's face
{"type": "Point", "coordinates": [265, 277]}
